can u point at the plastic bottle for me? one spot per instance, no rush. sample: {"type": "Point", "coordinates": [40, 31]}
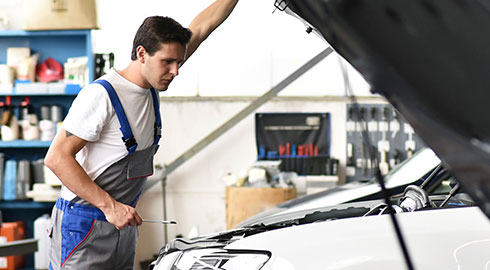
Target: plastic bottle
{"type": "Point", "coordinates": [2, 174]}
{"type": "Point", "coordinates": [41, 257]}
{"type": "Point", "coordinates": [46, 126]}
{"type": "Point", "coordinates": [57, 117]}
{"type": "Point", "coordinates": [23, 179]}
{"type": "Point", "coordinates": [2, 108]}
{"type": "Point", "coordinates": [29, 121]}
{"type": "Point", "coordinates": [9, 181]}
{"type": "Point", "coordinates": [10, 124]}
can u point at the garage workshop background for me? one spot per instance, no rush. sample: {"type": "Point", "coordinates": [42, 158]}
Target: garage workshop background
{"type": "Point", "coordinates": [250, 53]}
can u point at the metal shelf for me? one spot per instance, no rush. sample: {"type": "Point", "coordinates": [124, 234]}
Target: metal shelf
{"type": "Point", "coordinates": [25, 205]}
{"type": "Point", "coordinates": [37, 95]}
{"type": "Point", "coordinates": [24, 144]}
{"type": "Point", "coordinates": [18, 247]}
{"type": "Point", "coordinates": [23, 33]}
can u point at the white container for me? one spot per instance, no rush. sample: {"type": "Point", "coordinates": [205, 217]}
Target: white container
{"type": "Point", "coordinates": [41, 257]}
{"type": "Point", "coordinates": [47, 128]}
{"type": "Point", "coordinates": [7, 75]}
{"type": "Point", "coordinates": [30, 128]}
{"type": "Point", "coordinates": [10, 132]}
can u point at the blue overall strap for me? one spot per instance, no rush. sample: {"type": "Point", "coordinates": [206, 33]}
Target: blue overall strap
{"type": "Point", "coordinates": [158, 119]}
{"type": "Point", "coordinates": [128, 137]}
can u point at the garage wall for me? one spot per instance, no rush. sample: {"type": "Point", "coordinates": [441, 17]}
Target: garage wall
{"type": "Point", "coordinates": [253, 50]}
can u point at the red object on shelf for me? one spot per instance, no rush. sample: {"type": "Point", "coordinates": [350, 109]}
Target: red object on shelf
{"type": "Point", "coordinates": [12, 231]}
{"type": "Point", "coordinates": [49, 70]}
{"type": "Point", "coordinates": [301, 150]}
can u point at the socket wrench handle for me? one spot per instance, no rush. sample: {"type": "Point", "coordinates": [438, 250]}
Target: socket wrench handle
{"type": "Point", "coordinates": [160, 221]}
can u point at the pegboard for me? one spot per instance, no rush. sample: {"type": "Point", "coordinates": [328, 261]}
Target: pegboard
{"type": "Point", "coordinates": [391, 137]}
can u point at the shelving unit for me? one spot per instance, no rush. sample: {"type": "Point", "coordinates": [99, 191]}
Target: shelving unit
{"type": "Point", "coordinates": [59, 45]}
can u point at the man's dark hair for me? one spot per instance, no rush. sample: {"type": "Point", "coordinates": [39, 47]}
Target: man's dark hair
{"type": "Point", "coordinates": [156, 30]}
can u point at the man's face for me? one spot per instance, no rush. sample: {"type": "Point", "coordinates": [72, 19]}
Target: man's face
{"type": "Point", "coordinates": [160, 69]}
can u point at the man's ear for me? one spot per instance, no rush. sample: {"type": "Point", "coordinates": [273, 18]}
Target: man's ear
{"type": "Point", "coordinates": [140, 53]}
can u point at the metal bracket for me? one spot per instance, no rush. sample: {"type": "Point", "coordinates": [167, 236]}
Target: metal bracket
{"type": "Point", "coordinates": [281, 5]}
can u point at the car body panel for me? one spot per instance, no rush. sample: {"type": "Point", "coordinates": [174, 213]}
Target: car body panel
{"type": "Point", "coordinates": [437, 239]}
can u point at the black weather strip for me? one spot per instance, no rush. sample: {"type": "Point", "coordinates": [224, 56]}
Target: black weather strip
{"type": "Point", "coordinates": [379, 176]}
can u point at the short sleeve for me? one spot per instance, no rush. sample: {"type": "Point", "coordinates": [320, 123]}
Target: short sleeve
{"type": "Point", "coordinates": [89, 113]}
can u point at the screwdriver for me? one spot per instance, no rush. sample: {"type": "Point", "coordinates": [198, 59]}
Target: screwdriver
{"type": "Point", "coordinates": [160, 221]}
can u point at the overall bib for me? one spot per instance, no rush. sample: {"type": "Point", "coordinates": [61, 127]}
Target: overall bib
{"type": "Point", "coordinates": [80, 236]}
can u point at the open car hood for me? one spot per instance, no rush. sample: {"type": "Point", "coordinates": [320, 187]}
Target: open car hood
{"type": "Point", "coordinates": [431, 61]}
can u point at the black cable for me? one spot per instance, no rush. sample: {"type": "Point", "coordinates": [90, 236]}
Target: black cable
{"type": "Point", "coordinates": [379, 176]}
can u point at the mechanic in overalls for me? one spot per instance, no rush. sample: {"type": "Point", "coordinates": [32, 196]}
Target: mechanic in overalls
{"type": "Point", "coordinates": [94, 222]}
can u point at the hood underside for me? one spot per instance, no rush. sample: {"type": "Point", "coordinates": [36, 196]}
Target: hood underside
{"type": "Point", "coordinates": [431, 61]}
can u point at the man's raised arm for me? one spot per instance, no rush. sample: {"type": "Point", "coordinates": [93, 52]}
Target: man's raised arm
{"type": "Point", "coordinates": [207, 21]}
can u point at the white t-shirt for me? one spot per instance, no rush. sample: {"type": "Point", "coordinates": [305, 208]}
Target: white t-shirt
{"type": "Point", "coordinates": [92, 118]}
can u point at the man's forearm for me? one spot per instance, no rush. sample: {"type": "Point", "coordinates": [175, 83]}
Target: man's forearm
{"type": "Point", "coordinates": [61, 160]}
{"type": "Point", "coordinates": [72, 175]}
{"type": "Point", "coordinates": [207, 21]}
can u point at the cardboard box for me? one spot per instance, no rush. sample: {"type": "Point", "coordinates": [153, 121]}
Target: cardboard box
{"type": "Point", "coordinates": [59, 14]}
{"type": "Point", "coordinates": [243, 202]}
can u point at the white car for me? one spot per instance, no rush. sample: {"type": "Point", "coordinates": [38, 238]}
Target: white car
{"type": "Point", "coordinates": [431, 60]}
{"type": "Point", "coordinates": [437, 239]}
{"type": "Point", "coordinates": [350, 236]}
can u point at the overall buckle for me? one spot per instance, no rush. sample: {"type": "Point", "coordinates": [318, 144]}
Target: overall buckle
{"type": "Point", "coordinates": [130, 143]}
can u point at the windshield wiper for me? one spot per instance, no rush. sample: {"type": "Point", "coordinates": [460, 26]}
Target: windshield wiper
{"type": "Point", "coordinates": [333, 214]}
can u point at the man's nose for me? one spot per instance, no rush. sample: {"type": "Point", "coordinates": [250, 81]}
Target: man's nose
{"type": "Point", "coordinates": [174, 69]}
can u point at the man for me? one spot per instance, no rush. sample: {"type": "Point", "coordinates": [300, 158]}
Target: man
{"type": "Point", "coordinates": [94, 222]}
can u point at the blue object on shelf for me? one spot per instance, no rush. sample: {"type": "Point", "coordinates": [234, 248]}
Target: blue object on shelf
{"type": "Point", "coordinates": [18, 82]}
{"type": "Point", "coordinates": [10, 180]}
{"type": "Point", "coordinates": [22, 81]}
{"type": "Point", "coordinates": [262, 153]}
{"type": "Point", "coordinates": [72, 89]}
{"type": "Point", "coordinates": [272, 155]}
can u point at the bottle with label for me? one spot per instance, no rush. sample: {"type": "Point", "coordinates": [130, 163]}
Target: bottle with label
{"type": "Point", "coordinates": [9, 181]}
{"type": "Point", "coordinates": [29, 121]}
{"type": "Point", "coordinates": [23, 179]}
{"type": "Point", "coordinates": [56, 117]}
{"type": "Point", "coordinates": [46, 125]}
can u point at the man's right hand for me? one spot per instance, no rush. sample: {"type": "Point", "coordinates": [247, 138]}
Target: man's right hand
{"type": "Point", "coordinates": [120, 215]}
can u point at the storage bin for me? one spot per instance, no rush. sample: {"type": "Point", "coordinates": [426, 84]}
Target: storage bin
{"type": "Point", "coordinates": [12, 231]}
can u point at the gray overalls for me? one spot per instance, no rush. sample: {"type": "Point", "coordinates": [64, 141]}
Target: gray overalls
{"type": "Point", "coordinates": [80, 236]}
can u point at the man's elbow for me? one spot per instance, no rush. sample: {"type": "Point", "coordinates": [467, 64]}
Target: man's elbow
{"type": "Point", "coordinates": [52, 159]}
